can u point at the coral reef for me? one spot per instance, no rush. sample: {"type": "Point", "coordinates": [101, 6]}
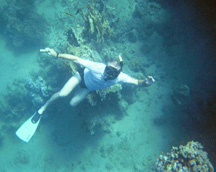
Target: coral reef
{"type": "Point", "coordinates": [101, 95]}
{"type": "Point", "coordinates": [72, 38]}
{"type": "Point", "coordinates": [96, 23]}
{"type": "Point", "coordinates": [109, 53]}
{"type": "Point", "coordinates": [38, 90]}
{"type": "Point", "coordinates": [113, 89]}
{"type": "Point", "coordinates": [23, 97]}
{"type": "Point", "coordinates": [15, 102]}
{"type": "Point", "coordinates": [189, 158]}
{"type": "Point", "coordinates": [21, 26]}
{"type": "Point", "coordinates": [93, 98]}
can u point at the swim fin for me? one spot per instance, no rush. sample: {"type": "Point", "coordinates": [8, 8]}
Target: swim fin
{"type": "Point", "coordinates": [28, 128]}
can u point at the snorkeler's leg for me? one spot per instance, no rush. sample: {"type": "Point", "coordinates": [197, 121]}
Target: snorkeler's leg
{"type": "Point", "coordinates": [79, 96]}
{"type": "Point", "coordinates": [68, 87]}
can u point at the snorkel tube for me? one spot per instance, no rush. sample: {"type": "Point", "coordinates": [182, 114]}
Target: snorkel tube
{"type": "Point", "coordinates": [120, 62]}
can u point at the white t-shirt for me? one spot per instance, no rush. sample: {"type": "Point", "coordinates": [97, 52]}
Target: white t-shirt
{"type": "Point", "coordinates": [93, 76]}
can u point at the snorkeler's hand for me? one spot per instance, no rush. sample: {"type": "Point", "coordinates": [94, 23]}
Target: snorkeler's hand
{"type": "Point", "coordinates": [52, 52]}
{"type": "Point", "coordinates": [147, 82]}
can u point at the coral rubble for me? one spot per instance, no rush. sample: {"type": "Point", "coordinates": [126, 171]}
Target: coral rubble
{"type": "Point", "coordinates": [189, 158]}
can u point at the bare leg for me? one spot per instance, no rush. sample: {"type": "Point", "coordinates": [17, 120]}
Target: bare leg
{"type": "Point", "coordinates": [68, 87]}
{"type": "Point", "coordinates": [80, 95]}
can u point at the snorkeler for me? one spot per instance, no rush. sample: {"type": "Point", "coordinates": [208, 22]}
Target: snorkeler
{"type": "Point", "coordinates": [94, 76]}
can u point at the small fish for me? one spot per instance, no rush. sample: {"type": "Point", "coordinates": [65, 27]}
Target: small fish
{"type": "Point", "coordinates": [69, 14]}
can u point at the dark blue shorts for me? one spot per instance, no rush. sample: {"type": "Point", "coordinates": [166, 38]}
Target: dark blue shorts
{"type": "Point", "coordinates": [80, 70]}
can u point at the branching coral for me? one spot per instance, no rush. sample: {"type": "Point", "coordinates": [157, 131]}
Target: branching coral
{"type": "Point", "coordinates": [189, 158]}
{"type": "Point", "coordinates": [97, 24]}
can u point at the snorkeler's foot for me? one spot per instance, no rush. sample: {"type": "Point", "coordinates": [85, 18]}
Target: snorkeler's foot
{"type": "Point", "coordinates": [35, 118]}
{"type": "Point", "coordinates": [41, 110]}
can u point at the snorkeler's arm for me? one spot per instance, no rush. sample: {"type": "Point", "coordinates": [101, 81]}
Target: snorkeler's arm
{"type": "Point", "coordinates": [76, 59]}
{"type": "Point", "coordinates": [132, 81]}
{"type": "Point", "coordinates": [143, 82]}
{"type": "Point", "coordinates": [139, 82]}
{"type": "Point", "coordinates": [72, 57]}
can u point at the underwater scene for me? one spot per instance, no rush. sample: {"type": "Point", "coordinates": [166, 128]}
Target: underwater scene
{"type": "Point", "coordinates": [107, 86]}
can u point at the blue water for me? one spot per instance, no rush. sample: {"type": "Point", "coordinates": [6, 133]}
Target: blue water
{"type": "Point", "coordinates": [127, 127]}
